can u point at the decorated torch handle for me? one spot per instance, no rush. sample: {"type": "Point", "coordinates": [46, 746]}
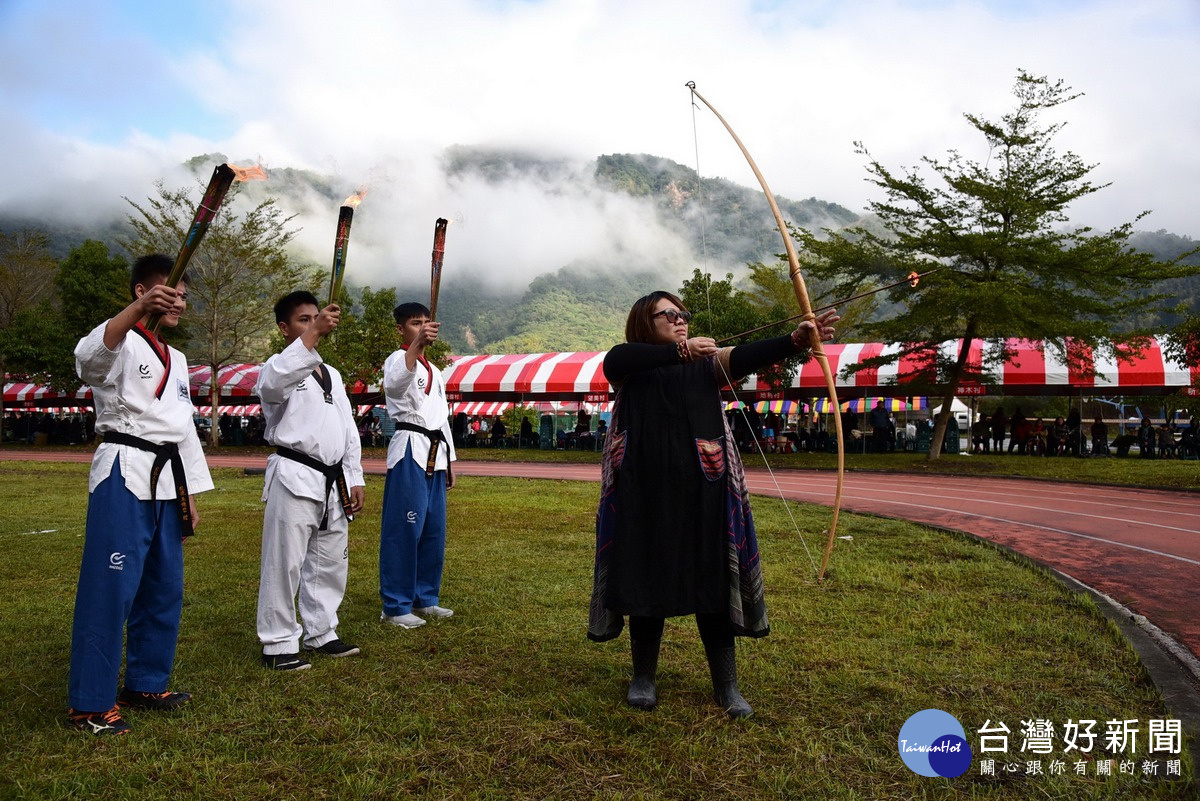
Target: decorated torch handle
{"type": "Point", "coordinates": [340, 245]}
{"type": "Point", "coordinates": [439, 253]}
{"type": "Point", "coordinates": [341, 242]}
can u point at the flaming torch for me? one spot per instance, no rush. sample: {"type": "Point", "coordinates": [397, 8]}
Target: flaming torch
{"type": "Point", "coordinates": [222, 178]}
{"type": "Point", "coordinates": [342, 241]}
{"type": "Point", "coordinates": [439, 253]}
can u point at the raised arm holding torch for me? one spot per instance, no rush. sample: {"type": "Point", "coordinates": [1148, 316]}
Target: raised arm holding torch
{"type": "Point", "coordinates": [218, 186]}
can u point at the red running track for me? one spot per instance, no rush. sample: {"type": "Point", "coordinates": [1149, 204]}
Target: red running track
{"type": "Point", "coordinates": [1138, 546]}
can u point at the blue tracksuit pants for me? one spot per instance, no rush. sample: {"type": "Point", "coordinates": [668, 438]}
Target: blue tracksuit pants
{"type": "Point", "coordinates": [412, 539]}
{"type": "Point", "coordinates": [131, 578]}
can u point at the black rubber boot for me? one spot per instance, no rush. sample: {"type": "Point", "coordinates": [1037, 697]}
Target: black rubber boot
{"type": "Point", "coordinates": [722, 664]}
{"type": "Point", "coordinates": [642, 692]}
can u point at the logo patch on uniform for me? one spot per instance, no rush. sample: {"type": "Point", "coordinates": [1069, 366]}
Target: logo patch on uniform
{"type": "Point", "coordinates": [144, 370]}
{"type": "Point", "coordinates": [421, 383]}
{"type": "Point", "coordinates": [116, 561]}
{"type": "Point", "coordinates": [412, 517]}
{"type": "Point", "coordinates": [182, 388]}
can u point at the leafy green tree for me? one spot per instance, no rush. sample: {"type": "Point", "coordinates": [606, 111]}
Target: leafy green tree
{"type": "Point", "coordinates": [1009, 264]}
{"type": "Point", "coordinates": [770, 290]}
{"type": "Point", "coordinates": [723, 312]}
{"type": "Point", "coordinates": [364, 338]}
{"type": "Point", "coordinates": [92, 285]}
{"type": "Point", "coordinates": [240, 269]}
{"type": "Point", "coordinates": [26, 279]}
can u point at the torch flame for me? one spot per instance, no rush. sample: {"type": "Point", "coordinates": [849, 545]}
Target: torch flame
{"type": "Point", "coordinates": [356, 198]}
{"type": "Point", "coordinates": [255, 173]}
{"type": "Point", "coordinates": [914, 278]}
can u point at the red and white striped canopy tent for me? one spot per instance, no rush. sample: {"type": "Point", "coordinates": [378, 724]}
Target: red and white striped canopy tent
{"type": "Point", "coordinates": [26, 395]}
{"type": "Point", "coordinates": [233, 380]}
{"type": "Point", "coordinates": [481, 408]}
{"type": "Point", "coordinates": [568, 406]}
{"type": "Point", "coordinates": [247, 410]}
{"type": "Point", "coordinates": [547, 375]}
{"type": "Point", "coordinates": [1030, 370]}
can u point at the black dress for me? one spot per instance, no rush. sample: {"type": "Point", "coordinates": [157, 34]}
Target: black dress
{"type": "Point", "coordinates": [674, 530]}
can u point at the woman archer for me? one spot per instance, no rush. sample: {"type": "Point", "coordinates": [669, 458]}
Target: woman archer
{"type": "Point", "coordinates": [674, 533]}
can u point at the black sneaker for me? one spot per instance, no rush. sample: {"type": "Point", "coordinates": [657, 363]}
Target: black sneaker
{"type": "Point", "coordinates": [285, 662]}
{"type": "Point", "coordinates": [133, 699]}
{"type": "Point", "coordinates": [334, 648]}
{"type": "Point", "coordinates": [98, 723]}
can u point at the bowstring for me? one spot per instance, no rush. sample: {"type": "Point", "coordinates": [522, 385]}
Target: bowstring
{"type": "Point", "coordinates": [729, 382]}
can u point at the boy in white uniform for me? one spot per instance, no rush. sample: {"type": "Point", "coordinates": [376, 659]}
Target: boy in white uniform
{"type": "Point", "coordinates": [314, 483]}
{"type": "Point", "coordinates": [140, 508]}
{"type": "Point", "coordinates": [412, 539]}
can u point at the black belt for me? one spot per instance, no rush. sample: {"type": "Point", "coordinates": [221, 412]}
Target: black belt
{"type": "Point", "coordinates": [334, 477]}
{"type": "Point", "coordinates": [436, 438]}
{"type": "Point", "coordinates": [164, 453]}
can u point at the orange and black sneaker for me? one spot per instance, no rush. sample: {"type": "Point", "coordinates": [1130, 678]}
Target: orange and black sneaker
{"type": "Point", "coordinates": [132, 699]}
{"type": "Point", "coordinates": [98, 723]}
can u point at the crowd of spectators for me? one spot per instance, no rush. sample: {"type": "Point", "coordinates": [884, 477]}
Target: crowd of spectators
{"type": "Point", "coordinates": [1068, 436]}
{"type": "Point", "coordinates": [49, 428]}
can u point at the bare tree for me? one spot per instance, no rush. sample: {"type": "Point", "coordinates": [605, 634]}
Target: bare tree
{"type": "Point", "coordinates": [240, 269]}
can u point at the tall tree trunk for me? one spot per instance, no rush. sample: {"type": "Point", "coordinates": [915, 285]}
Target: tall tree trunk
{"type": "Point", "coordinates": [214, 398]}
{"type": "Point", "coordinates": [3, 384]}
{"type": "Point", "coordinates": [953, 380]}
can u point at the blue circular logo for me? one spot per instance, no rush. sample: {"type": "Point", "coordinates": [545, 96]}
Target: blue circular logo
{"type": "Point", "coordinates": [934, 743]}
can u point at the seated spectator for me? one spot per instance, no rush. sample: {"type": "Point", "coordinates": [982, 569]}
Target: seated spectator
{"type": "Point", "coordinates": [499, 431]}
{"type": "Point", "coordinates": [1189, 444]}
{"type": "Point", "coordinates": [1166, 441]}
{"type": "Point", "coordinates": [1056, 439]}
{"type": "Point", "coordinates": [528, 438]}
{"type": "Point", "coordinates": [1147, 438]}
{"type": "Point", "coordinates": [1099, 437]}
{"type": "Point", "coordinates": [1074, 438]}
{"type": "Point", "coordinates": [1020, 432]}
{"type": "Point", "coordinates": [1035, 443]}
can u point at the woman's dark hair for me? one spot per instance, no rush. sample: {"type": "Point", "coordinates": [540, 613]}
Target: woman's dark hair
{"type": "Point", "coordinates": [639, 325]}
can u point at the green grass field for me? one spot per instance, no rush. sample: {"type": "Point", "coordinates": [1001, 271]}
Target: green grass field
{"type": "Point", "coordinates": [509, 700]}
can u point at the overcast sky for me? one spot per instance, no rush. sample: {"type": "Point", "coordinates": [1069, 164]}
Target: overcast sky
{"type": "Point", "coordinates": [100, 98]}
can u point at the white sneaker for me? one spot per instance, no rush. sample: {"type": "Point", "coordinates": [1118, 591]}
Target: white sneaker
{"type": "Point", "coordinates": [403, 621]}
{"type": "Point", "coordinates": [434, 611]}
